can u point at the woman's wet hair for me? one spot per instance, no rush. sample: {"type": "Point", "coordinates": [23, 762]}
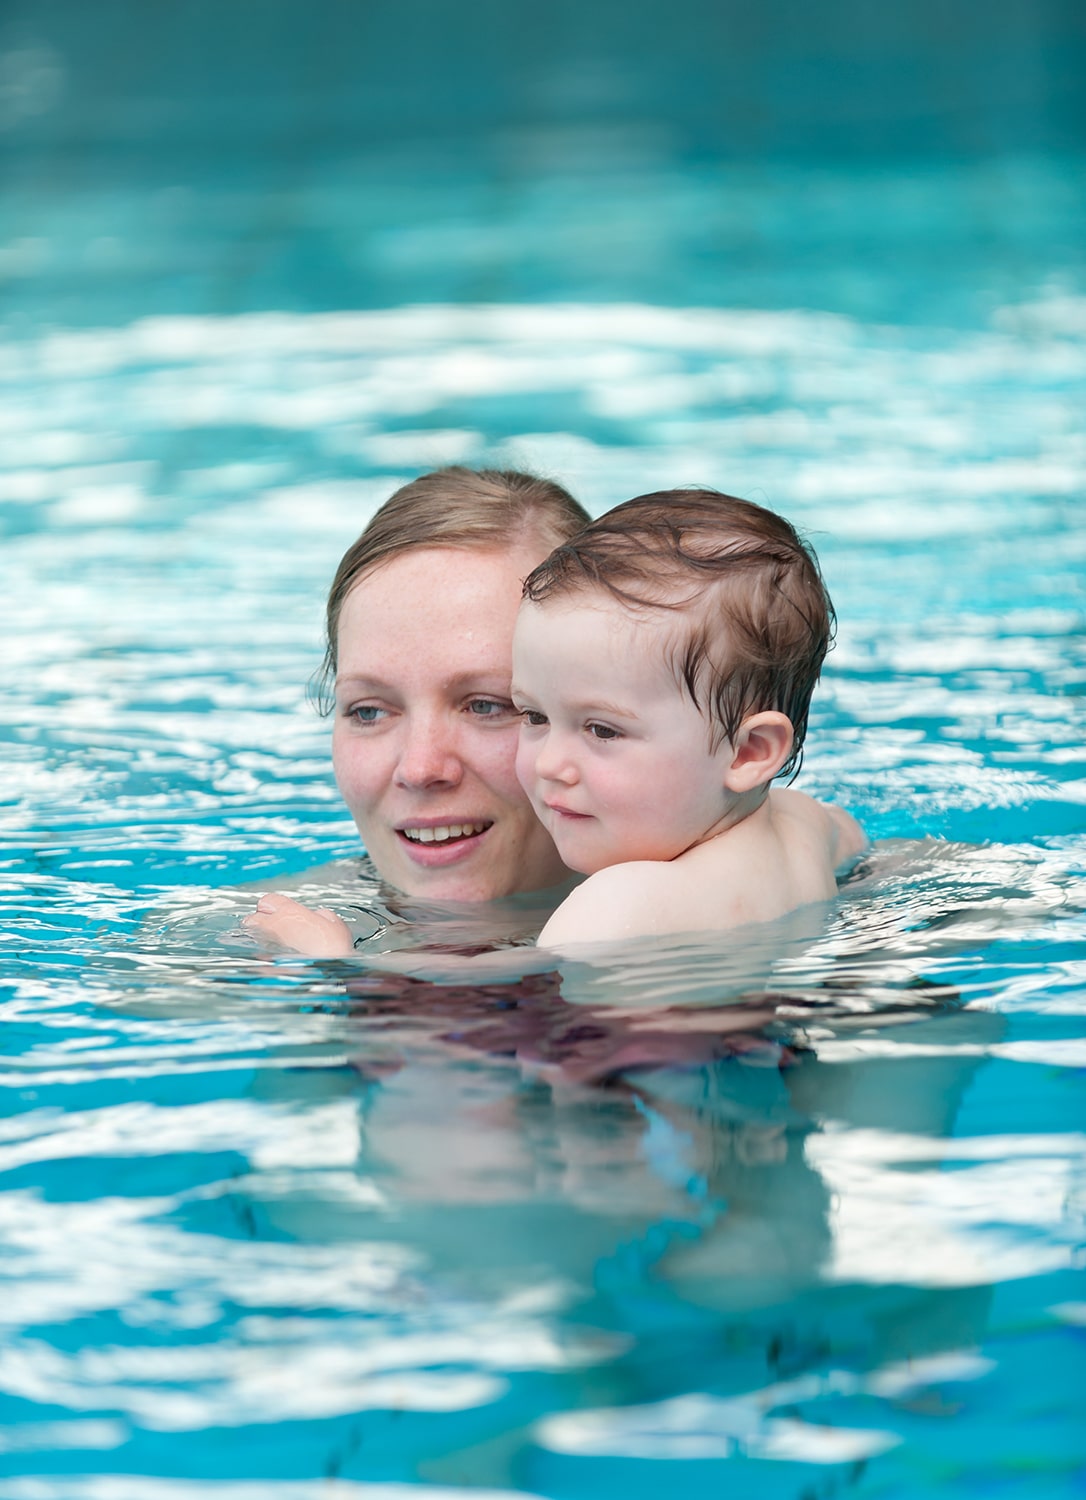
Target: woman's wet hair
{"type": "Point", "coordinates": [485, 510]}
{"type": "Point", "coordinates": [754, 619]}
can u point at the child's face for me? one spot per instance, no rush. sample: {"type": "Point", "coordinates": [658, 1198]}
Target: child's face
{"type": "Point", "coordinates": [613, 755]}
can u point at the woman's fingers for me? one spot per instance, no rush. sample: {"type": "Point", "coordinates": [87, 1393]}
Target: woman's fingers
{"type": "Point", "coordinates": [316, 932]}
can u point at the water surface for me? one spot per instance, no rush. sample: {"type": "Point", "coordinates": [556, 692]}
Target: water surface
{"type": "Point", "coordinates": [268, 1224]}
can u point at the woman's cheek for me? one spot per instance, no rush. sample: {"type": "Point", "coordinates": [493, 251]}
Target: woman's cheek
{"type": "Point", "coordinates": [496, 761]}
{"type": "Point", "coordinates": [357, 769]}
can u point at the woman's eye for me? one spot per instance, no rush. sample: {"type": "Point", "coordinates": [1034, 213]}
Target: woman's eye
{"type": "Point", "coordinates": [489, 708]}
{"type": "Point", "coordinates": [603, 732]}
{"type": "Point", "coordinates": [367, 713]}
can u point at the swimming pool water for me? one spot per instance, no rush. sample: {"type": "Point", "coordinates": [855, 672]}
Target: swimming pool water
{"type": "Point", "coordinates": [266, 1236]}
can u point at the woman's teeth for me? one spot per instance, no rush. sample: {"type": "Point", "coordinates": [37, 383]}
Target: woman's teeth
{"type": "Point", "coordinates": [442, 835]}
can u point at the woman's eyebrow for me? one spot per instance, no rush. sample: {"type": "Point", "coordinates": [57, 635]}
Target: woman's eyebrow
{"type": "Point", "coordinates": [360, 679]}
{"type": "Point", "coordinates": [491, 682]}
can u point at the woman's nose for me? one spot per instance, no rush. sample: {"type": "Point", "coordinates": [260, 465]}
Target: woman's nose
{"type": "Point", "coordinates": [428, 757]}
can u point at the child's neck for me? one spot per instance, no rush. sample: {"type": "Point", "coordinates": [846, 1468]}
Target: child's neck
{"type": "Point", "coordinates": [747, 804]}
{"type": "Point", "coordinates": [743, 806]}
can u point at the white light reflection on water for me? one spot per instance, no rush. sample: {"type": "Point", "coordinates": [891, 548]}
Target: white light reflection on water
{"type": "Point", "coordinates": [965, 1213]}
{"type": "Point", "coordinates": [699, 1427]}
{"type": "Point", "coordinates": [325, 1136]}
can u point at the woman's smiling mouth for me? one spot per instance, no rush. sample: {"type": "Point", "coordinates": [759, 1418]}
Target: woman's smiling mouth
{"type": "Point", "coordinates": [443, 833]}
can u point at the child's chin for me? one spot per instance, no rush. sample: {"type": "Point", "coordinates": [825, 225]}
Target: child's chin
{"type": "Point", "coordinates": [583, 864]}
{"type": "Point", "coordinates": [586, 863]}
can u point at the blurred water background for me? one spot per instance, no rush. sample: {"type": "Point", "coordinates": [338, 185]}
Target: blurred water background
{"type": "Point", "coordinates": [259, 264]}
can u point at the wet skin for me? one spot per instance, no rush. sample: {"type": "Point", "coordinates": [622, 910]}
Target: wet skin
{"type": "Point", "coordinates": [425, 736]}
{"type": "Point", "coordinates": [617, 760]}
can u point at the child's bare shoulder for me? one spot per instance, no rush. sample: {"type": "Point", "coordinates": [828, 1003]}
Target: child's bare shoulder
{"type": "Point", "coordinates": [780, 859]}
{"type": "Point", "coordinates": [622, 901]}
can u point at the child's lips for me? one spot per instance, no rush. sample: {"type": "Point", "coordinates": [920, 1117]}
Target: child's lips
{"type": "Point", "coordinates": [565, 812]}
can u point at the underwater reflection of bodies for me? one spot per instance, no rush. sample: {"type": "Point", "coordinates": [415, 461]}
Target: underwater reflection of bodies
{"type": "Point", "coordinates": [668, 1028]}
{"type": "Point", "coordinates": [677, 1202]}
{"type": "Point", "coordinates": [740, 1225]}
{"type": "Point", "coordinates": [471, 1109]}
{"type": "Point", "coordinates": [679, 1211]}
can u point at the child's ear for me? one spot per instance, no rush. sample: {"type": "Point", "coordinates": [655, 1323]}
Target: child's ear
{"type": "Point", "coordinates": [760, 749]}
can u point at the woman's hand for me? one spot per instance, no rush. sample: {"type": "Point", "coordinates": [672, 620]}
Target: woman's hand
{"type": "Point", "coordinates": [314, 931]}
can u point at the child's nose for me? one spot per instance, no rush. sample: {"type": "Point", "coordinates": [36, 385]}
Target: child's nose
{"type": "Point", "coordinates": [553, 761]}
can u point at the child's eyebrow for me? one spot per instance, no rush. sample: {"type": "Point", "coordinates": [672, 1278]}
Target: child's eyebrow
{"type": "Point", "coordinates": [609, 710]}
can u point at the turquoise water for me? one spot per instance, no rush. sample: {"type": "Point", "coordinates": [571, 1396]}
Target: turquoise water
{"type": "Point", "coordinates": [270, 1230]}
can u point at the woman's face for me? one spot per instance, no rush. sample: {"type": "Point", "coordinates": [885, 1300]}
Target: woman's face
{"type": "Point", "coordinates": [425, 737]}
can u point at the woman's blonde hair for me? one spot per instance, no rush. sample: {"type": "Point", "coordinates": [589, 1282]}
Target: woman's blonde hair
{"type": "Point", "coordinates": [480, 509]}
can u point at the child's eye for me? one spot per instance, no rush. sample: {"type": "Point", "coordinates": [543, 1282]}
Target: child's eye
{"type": "Point", "coordinates": [533, 717]}
{"type": "Point", "coordinates": [603, 732]}
{"type": "Point", "coordinates": [489, 708]}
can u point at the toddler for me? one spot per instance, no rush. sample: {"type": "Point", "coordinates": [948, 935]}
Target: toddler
{"type": "Point", "coordinates": [663, 665]}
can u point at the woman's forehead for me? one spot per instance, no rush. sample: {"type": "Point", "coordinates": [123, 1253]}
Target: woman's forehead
{"type": "Point", "coordinates": [466, 571]}
{"type": "Point", "coordinates": [433, 616]}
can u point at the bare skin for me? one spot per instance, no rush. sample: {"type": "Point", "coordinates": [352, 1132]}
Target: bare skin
{"type": "Point", "coordinates": [315, 931]}
{"type": "Point", "coordinates": [424, 739]}
{"type": "Point", "coordinates": [675, 827]}
{"type": "Point", "coordinates": [780, 857]}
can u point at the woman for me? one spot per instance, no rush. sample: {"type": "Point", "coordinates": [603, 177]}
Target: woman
{"type": "Point", "coordinates": [417, 668]}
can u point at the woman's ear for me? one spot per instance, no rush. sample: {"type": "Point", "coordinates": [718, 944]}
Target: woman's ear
{"type": "Point", "coordinates": [760, 749]}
